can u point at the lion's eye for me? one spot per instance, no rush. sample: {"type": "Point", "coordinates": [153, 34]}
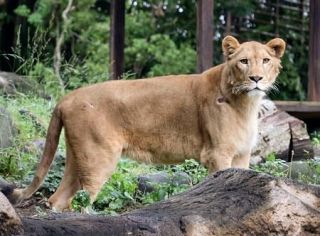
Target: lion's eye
{"type": "Point", "coordinates": [244, 61]}
{"type": "Point", "coordinates": [266, 60]}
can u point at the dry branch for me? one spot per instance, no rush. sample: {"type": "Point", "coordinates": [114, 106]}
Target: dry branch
{"type": "Point", "coordinates": [59, 42]}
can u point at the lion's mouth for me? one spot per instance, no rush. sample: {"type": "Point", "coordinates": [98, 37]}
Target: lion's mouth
{"type": "Point", "coordinates": [246, 90]}
{"type": "Point", "coordinates": [256, 91]}
{"type": "Point", "coordinates": [257, 88]}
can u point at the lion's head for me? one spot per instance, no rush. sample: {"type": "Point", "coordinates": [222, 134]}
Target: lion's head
{"type": "Point", "coordinates": [252, 66]}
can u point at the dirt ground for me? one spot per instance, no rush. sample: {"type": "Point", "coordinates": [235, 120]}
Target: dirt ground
{"type": "Point", "coordinates": [33, 207]}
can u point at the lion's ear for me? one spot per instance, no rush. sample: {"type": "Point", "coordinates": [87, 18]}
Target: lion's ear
{"type": "Point", "coordinates": [229, 45]}
{"type": "Point", "coordinates": [278, 46]}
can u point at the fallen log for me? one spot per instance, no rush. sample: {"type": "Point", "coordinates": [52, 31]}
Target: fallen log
{"type": "Point", "coordinates": [10, 223]}
{"type": "Point", "coordinates": [230, 202]}
{"type": "Point", "coordinates": [282, 134]}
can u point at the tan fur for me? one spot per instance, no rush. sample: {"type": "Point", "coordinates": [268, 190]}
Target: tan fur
{"type": "Point", "coordinates": [211, 117]}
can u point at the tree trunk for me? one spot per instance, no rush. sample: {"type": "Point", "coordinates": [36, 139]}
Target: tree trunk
{"type": "Point", "coordinates": [230, 202]}
{"type": "Point", "coordinates": [204, 34]}
{"type": "Point", "coordinates": [314, 52]}
{"type": "Point", "coordinates": [7, 37]}
{"type": "Point", "coordinates": [117, 37]}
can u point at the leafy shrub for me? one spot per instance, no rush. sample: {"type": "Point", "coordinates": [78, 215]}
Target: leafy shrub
{"type": "Point", "coordinates": [194, 169]}
{"type": "Point", "coordinates": [280, 168]}
{"type": "Point", "coordinates": [315, 137]}
{"type": "Point", "coordinates": [120, 192]}
{"type": "Point", "coordinates": [273, 166]}
{"type": "Point", "coordinates": [117, 193]}
{"type": "Point", "coordinates": [162, 192]}
{"type": "Point", "coordinates": [81, 200]}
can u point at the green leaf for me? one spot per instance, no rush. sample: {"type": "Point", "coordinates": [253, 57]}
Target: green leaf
{"type": "Point", "coordinates": [22, 10]}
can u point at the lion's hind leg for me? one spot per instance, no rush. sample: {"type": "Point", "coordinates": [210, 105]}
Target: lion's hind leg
{"type": "Point", "coordinates": [70, 184]}
{"type": "Point", "coordinates": [96, 163]}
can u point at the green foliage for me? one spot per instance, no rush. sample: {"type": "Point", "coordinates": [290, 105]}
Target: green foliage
{"type": "Point", "coordinates": [273, 166]}
{"type": "Point", "coordinates": [280, 168]}
{"type": "Point", "coordinates": [84, 48]}
{"type": "Point", "coordinates": [315, 137]}
{"type": "Point", "coordinates": [162, 192]}
{"type": "Point", "coordinates": [313, 177]}
{"type": "Point", "coordinates": [14, 164]}
{"type": "Point", "coordinates": [22, 10]}
{"type": "Point", "coordinates": [289, 81]}
{"type": "Point", "coordinates": [45, 76]}
{"type": "Point", "coordinates": [150, 53]}
{"type": "Point", "coordinates": [17, 161]}
{"type": "Point", "coordinates": [81, 200]}
{"type": "Point", "coordinates": [42, 14]}
{"type": "Point", "coordinates": [119, 192]}
{"type": "Point", "coordinates": [194, 169]}
{"type": "Point", "coordinates": [168, 58]}
{"type": "Point", "coordinates": [236, 7]}
{"type": "Point", "coordinates": [90, 63]}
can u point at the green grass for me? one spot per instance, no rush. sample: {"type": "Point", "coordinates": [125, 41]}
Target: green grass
{"type": "Point", "coordinates": [18, 160]}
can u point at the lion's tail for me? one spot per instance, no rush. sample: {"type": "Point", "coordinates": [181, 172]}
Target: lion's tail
{"type": "Point", "coordinates": [52, 141]}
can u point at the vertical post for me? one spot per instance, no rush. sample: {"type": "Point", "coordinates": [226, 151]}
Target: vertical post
{"type": "Point", "coordinates": [314, 52]}
{"type": "Point", "coordinates": [204, 34]}
{"type": "Point", "coordinates": [8, 36]}
{"type": "Point", "coordinates": [117, 38]}
{"type": "Point", "coordinates": [277, 19]}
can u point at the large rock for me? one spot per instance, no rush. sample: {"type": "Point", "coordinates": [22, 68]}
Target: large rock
{"type": "Point", "coordinates": [148, 183]}
{"type": "Point", "coordinates": [7, 129]}
{"type": "Point", "coordinates": [230, 202]}
{"type": "Point", "coordinates": [10, 223]}
{"type": "Point", "coordinates": [12, 83]}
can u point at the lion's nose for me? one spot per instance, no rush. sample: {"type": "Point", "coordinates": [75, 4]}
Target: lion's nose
{"type": "Point", "coordinates": [255, 78]}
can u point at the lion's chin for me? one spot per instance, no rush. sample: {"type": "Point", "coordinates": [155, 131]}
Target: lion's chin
{"type": "Point", "coordinates": [256, 93]}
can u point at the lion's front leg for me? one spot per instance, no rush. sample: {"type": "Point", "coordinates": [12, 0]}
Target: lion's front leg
{"type": "Point", "coordinates": [242, 160]}
{"type": "Point", "coordinates": [217, 158]}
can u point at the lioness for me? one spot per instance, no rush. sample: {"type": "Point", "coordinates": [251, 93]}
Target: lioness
{"type": "Point", "coordinates": [211, 117]}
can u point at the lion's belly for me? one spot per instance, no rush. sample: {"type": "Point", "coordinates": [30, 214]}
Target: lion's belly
{"type": "Point", "coordinates": [166, 149]}
{"type": "Point", "coordinates": [157, 158]}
